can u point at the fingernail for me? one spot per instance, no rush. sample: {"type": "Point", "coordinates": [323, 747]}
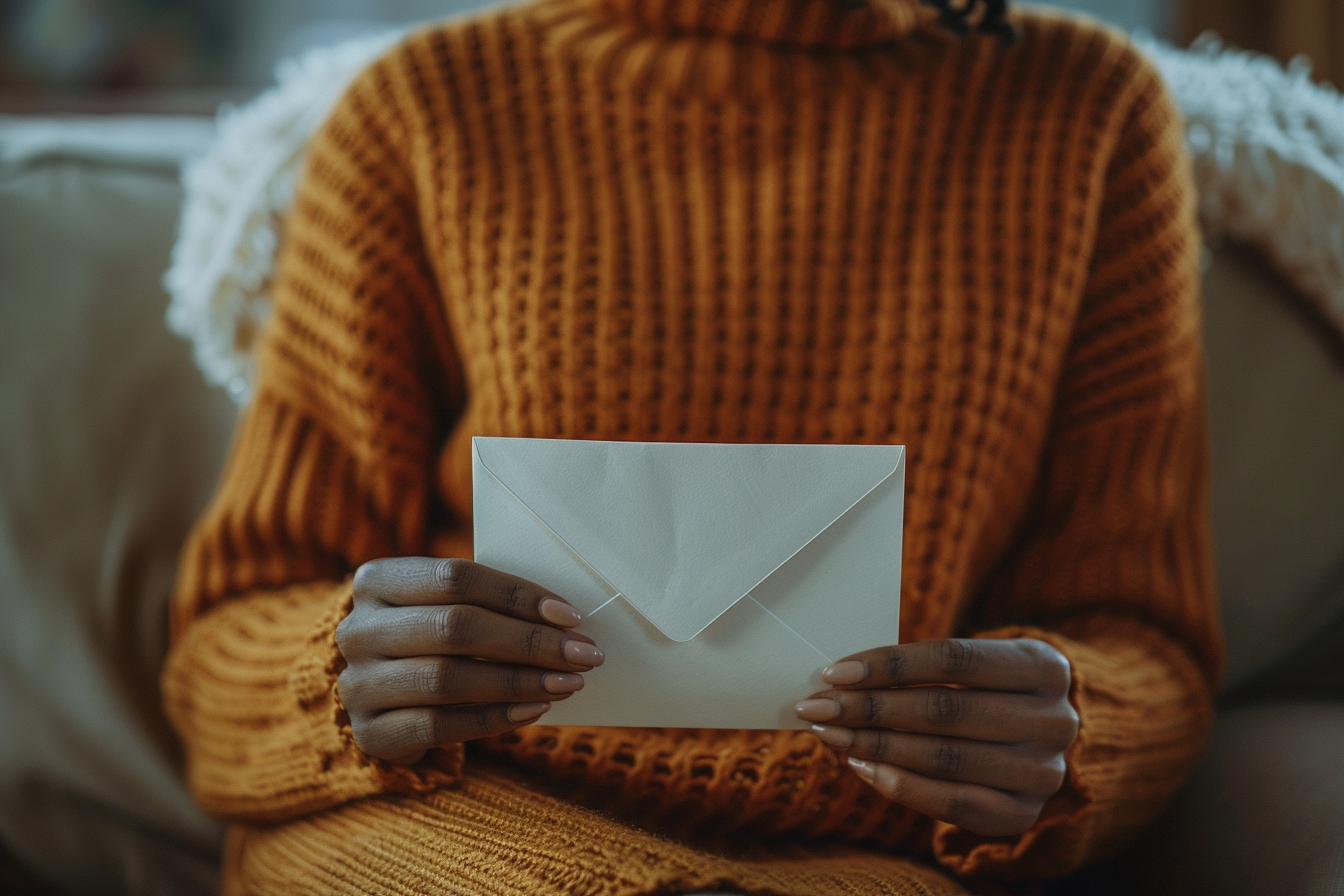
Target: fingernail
{"type": "Point", "coordinates": [526, 712]}
{"type": "Point", "coordinates": [561, 682]}
{"type": "Point", "coordinates": [843, 738]}
{"type": "Point", "coordinates": [864, 770]}
{"type": "Point", "coordinates": [817, 710]}
{"type": "Point", "coordinates": [581, 653]}
{"type": "Point", "coordinates": [848, 672]}
{"type": "Point", "coordinates": [557, 612]}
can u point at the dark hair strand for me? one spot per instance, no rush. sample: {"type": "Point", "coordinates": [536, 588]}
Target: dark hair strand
{"type": "Point", "coordinates": [984, 16]}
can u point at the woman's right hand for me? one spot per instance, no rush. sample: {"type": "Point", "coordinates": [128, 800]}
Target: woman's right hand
{"type": "Point", "coordinates": [444, 651]}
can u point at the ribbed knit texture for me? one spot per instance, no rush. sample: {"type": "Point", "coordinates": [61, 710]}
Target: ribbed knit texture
{"type": "Point", "coordinates": [717, 220]}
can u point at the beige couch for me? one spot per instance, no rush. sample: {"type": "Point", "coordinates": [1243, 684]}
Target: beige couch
{"type": "Point", "coordinates": [110, 442]}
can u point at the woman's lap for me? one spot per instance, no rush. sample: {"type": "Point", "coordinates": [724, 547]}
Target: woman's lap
{"type": "Point", "coordinates": [495, 836]}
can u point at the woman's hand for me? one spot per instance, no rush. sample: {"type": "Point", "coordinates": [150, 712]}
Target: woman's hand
{"type": "Point", "coordinates": [444, 651]}
{"type": "Point", "coordinates": [969, 732]}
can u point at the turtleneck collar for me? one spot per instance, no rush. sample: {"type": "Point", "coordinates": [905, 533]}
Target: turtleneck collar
{"type": "Point", "coordinates": [806, 23]}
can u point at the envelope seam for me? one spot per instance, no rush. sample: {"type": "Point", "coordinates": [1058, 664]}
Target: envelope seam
{"type": "Point", "coordinates": [748, 593]}
{"type": "Point", "coordinates": [823, 531]}
{"type": "Point", "coordinates": [753, 599]}
{"type": "Point", "coordinates": [616, 592]}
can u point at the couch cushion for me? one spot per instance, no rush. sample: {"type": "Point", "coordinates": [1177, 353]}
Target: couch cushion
{"type": "Point", "coordinates": [110, 446]}
{"type": "Point", "coordinates": [1276, 410]}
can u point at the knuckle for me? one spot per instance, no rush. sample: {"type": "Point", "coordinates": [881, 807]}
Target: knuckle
{"type": "Point", "coordinates": [1035, 649]}
{"type": "Point", "coordinates": [346, 633]}
{"type": "Point", "coordinates": [1072, 719]}
{"type": "Point", "coordinates": [518, 684]}
{"type": "Point", "coordinates": [958, 656]}
{"type": "Point", "coordinates": [421, 730]}
{"type": "Point", "coordinates": [1050, 776]}
{"type": "Point", "coordinates": [355, 640]}
{"type": "Point", "coordinates": [1053, 668]}
{"type": "Point", "coordinates": [455, 575]}
{"type": "Point", "coordinates": [1064, 729]}
{"type": "Point", "coordinates": [880, 744]}
{"type": "Point", "coordinates": [512, 598]}
{"type": "Point", "coordinates": [454, 626]}
{"type": "Point", "coordinates": [894, 665]}
{"type": "Point", "coordinates": [365, 577]}
{"type": "Point", "coordinates": [1058, 670]}
{"type": "Point", "coordinates": [361, 731]}
{"type": "Point", "coordinates": [947, 759]}
{"type": "Point", "coordinates": [870, 708]}
{"type": "Point", "coordinates": [482, 720]}
{"type": "Point", "coordinates": [432, 678]}
{"type": "Point", "coordinates": [351, 689]}
{"type": "Point", "coordinates": [944, 706]}
{"type": "Point", "coordinates": [533, 643]}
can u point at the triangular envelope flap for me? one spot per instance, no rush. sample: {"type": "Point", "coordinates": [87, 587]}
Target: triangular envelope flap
{"type": "Point", "coordinates": [684, 531]}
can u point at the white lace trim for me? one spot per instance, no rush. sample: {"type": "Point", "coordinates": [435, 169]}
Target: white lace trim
{"type": "Point", "coordinates": [1268, 151]}
{"type": "Point", "coordinates": [1268, 148]}
{"type": "Point", "coordinates": [236, 196]}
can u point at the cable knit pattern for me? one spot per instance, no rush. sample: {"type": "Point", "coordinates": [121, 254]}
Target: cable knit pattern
{"type": "Point", "coordinates": [695, 221]}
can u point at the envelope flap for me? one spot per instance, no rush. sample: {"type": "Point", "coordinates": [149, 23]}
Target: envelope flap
{"type": "Point", "coordinates": [684, 531]}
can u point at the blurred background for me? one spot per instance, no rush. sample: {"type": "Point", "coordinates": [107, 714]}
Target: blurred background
{"type": "Point", "coordinates": [189, 55]}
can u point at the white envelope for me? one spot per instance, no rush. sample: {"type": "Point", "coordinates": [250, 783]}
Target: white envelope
{"type": "Point", "coordinates": [718, 579]}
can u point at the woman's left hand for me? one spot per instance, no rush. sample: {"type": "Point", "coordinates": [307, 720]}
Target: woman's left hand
{"type": "Point", "coordinates": [969, 732]}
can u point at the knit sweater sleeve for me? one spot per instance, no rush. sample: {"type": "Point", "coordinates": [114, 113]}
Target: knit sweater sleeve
{"type": "Point", "coordinates": [1114, 565]}
{"type": "Point", "coordinates": [331, 466]}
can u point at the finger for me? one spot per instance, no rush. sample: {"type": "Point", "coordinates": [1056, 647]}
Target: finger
{"type": "Point", "coordinates": [422, 581]}
{"type": "Point", "coordinates": [405, 735]}
{"type": "Point", "coordinates": [1024, 665]}
{"type": "Point", "coordinates": [470, 631]}
{"type": "Point", "coordinates": [443, 681]}
{"type": "Point", "coordinates": [1004, 767]}
{"type": "Point", "coordinates": [980, 810]}
{"type": "Point", "coordinates": [947, 712]}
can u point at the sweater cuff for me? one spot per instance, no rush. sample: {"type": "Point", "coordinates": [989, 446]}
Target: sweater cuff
{"type": "Point", "coordinates": [251, 689]}
{"type": "Point", "coordinates": [1144, 715]}
{"type": "Point", "coordinates": [313, 686]}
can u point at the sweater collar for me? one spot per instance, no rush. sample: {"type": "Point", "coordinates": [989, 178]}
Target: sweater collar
{"type": "Point", "coordinates": [805, 23]}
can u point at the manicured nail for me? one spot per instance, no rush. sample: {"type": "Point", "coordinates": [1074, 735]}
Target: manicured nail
{"type": "Point", "coordinates": [561, 682]}
{"type": "Point", "coordinates": [557, 612]}
{"type": "Point", "coordinates": [526, 712]}
{"type": "Point", "coordinates": [581, 653]}
{"type": "Point", "coordinates": [833, 736]}
{"type": "Point", "coordinates": [817, 710]}
{"type": "Point", "coordinates": [841, 738]}
{"type": "Point", "coordinates": [848, 672]}
{"type": "Point", "coordinates": [864, 770]}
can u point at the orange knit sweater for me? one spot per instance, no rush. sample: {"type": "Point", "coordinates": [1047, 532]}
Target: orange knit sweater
{"type": "Point", "coordinates": [717, 220]}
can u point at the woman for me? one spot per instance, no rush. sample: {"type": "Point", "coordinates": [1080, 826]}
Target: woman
{"type": "Point", "coordinates": [716, 220]}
